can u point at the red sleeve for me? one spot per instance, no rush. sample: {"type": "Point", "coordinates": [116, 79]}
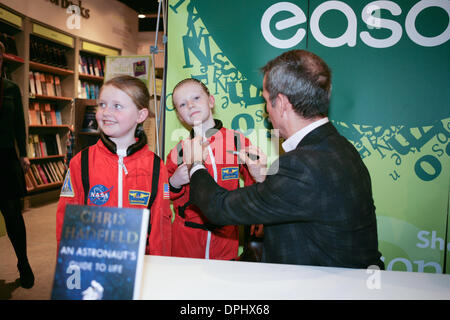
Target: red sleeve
{"type": "Point", "coordinates": [171, 164]}
{"type": "Point", "coordinates": [245, 174]}
{"type": "Point", "coordinates": [71, 193]}
{"type": "Point", "coordinates": [161, 218]}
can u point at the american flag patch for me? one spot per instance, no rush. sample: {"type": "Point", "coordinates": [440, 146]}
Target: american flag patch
{"type": "Point", "coordinates": [166, 194]}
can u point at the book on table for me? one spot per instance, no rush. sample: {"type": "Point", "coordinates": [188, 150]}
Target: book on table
{"type": "Point", "coordinates": [101, 253]}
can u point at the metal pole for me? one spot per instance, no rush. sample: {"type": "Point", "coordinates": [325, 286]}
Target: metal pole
{"type": "Point", "coordinates": [153, 51]}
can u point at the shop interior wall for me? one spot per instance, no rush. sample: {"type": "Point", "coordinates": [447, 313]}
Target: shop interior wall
{"type": "Point", "coordinates": [110, 22]}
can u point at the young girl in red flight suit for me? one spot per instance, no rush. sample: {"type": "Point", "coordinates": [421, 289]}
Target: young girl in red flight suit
{"type": "Point", "coordinates": [192, 234]}
{"type": "Point", "coordinates": [121, 165]}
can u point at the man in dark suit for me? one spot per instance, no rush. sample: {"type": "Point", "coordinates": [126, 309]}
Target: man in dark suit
{"type": "Point", "coordinates": [316, 202]}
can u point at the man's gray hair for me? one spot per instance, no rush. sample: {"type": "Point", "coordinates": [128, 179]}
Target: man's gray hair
{"type": "Point", "coordinates": [304, 78]}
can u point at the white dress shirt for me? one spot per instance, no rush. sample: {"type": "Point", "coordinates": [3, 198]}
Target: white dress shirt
{"type": "Point", "coordinates": [292, 142]}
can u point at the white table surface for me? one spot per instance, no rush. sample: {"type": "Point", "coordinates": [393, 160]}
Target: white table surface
{"type": "Point", "coordinates": [171, 278]}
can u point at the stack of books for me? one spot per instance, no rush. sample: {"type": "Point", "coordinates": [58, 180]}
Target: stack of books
{"type": "Point", "coordinates": [44, 173]}
{"type": "Point", "coordinates": [44, 145]}
{"type": "Point", "coordinates": [47, 52]}
{"type": "Point", "coordinates": [9, 43]}
{"type": "Point", "coordinates": [91, 65]}
{"type": "Point", "coordinates": [87, 90]}
{"type": "Point", "coordinates": [44, 113]}
{"type": "Point", "coordinates": [45, 84]}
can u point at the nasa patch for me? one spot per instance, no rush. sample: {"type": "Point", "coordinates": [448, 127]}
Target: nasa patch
{"type": "Point", "coordinates": [230, 173]}
{"type": "Point", "coordinates": [99, 194]}
{"type": "Point", "coordinates": [67, 188]}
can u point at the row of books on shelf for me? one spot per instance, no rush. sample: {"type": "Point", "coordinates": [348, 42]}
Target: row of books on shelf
{"type": "Point", "coordinates": [46, 52]}
{"type": "Point", "coordinates": [91, 65]}
{"type": "Point", "coordinates": [44, 173]}
{"type": "Point", "coordinates": [87, 90]}
{"type": "Point", "coordinates": [9, 42]}
{"type": "Point", "coordinates": [44, 113]}
{"type": "Point", "coordinates": [45, 84]}
{"type": "Point", "coordinates": [44, 145]}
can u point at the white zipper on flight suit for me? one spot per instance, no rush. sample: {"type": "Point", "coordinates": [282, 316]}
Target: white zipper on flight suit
{"type": "Point", "coordinates": [213, 163]}
{"type": "Point", "coordinates": [121, 153]}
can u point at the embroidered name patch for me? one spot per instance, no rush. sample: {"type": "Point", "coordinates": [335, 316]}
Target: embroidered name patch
{"type": "Point", "coordinates": [99, 194]}
{"type": "Point", "coordinates": [230, 173]}
{"type": "Point", "coordinates": [138, 197]}
{"type": "Point", "coordinates": [67, 188]}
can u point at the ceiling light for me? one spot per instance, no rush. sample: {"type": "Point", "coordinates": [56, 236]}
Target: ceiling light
{"type": "Point", "coordinates": [141, 16]}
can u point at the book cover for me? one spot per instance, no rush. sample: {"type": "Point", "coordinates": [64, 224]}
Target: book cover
{"type": "Point", "coordinates": [42, 174]}
{"type": "Point", "coordinates": [44, 84]}
{"type": "Point", "coordinates": [42, 112]}
{"type": "Point", "coordinates": [58, 91]}
{"type": "Point", "coordinates": [84, 65]}
{"type": "Point", "coordinates": [89, 121]}
{"type": "Point", "coordinates": [28, 181]}
{"type": "Point", "coordinates": [55, 171]}
{"type": "Point", "coordinates": [33, 115]}
{"type": "Point", "coordinates": [37, 80]}
{"type": "Point", "coordinates": [95, 66]}
{"type": "Point", "coordinates": [91, 66]}
{"type": "Point", "coordinates": [87, 88]}
{"type": "Point", "coordinates": [53, 114]}
{"type": "Point", "coordinates": [32, 83]}
{"type": "Point", "coordinates": [58, 144]}
{"type": "Point", "coordinates": [37, 146]}
{"type": "Point", "coordinates": [32, 178]}
{"type": "Point", "coordinates": [43, 147]}
{"type": "Point", "coordinates": [48, 114]}
{"type": "Point", "coordinates": [36, 174]}
{"type": "Point", "coordinates": [58, 169]}
{"type": "Point", "coordinates": [51, 145]}
{"type": "Point", "coordinates": [100, 69]}
{"type": "Point", "coordinates": [49, 85]}
{"type": "Point", "coordinates": [92, 92]}
{"type": "Point", "coordinates": [31, 153]}
{"type": "Point", "coordinates": [47, 173]}
{"type": "Point", "coordinates": [62, 167]}
{"type": "Point", "coordinates": [52, 171]}
{"type": "Point", "coordinates": [101, 253]}
{"type": "Point", "coordinates": [58, 117]}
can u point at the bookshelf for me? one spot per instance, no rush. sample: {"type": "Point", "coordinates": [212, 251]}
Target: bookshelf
{"type": "Point", "coordinates": [50, 101]}
{"type": "Point", "coordinates": [85, 134]}
{"type": "Point", "coordinates": [45, 63]}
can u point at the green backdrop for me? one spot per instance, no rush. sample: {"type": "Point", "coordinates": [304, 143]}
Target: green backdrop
{"type": "Point", "coordinates": [391, 96]}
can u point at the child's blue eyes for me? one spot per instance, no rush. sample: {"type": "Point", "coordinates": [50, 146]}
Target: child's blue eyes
{"type": "Point", "coordinates": [116, 106]}
{"type": "Point", "coordinates": [184, 104]}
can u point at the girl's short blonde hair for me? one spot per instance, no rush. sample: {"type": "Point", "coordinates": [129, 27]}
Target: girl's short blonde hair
{"type": "Point", "coordinates": [134, 88]}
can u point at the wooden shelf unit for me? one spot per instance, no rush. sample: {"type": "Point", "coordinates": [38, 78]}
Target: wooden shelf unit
{"type": "Point", "coordinates": [18, 66]}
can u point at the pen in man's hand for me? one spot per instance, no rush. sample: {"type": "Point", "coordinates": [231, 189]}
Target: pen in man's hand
{"type": "Point", "coordinates": [250, 155]}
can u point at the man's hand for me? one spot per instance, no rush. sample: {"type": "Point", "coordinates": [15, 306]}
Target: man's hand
{"type": "Point", "coordinates": [194, 150]}
{"type": "Point", "coordinates": [257, 167]}
{"type": "Point", "coordinates": [25, 163]}
{"type": "Point", "coordinates": [257, 230]}
{"type": "Point", "coordinates": [180, 177]}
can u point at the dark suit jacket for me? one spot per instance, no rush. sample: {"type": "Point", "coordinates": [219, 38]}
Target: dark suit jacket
{"type": "Point", "coordinates": [316, 210]}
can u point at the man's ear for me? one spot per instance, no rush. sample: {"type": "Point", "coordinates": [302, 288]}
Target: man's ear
{"type": "Point", "coordinates": [284, 104]}
{"type": "Point", "coordinates": [142, 115]}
